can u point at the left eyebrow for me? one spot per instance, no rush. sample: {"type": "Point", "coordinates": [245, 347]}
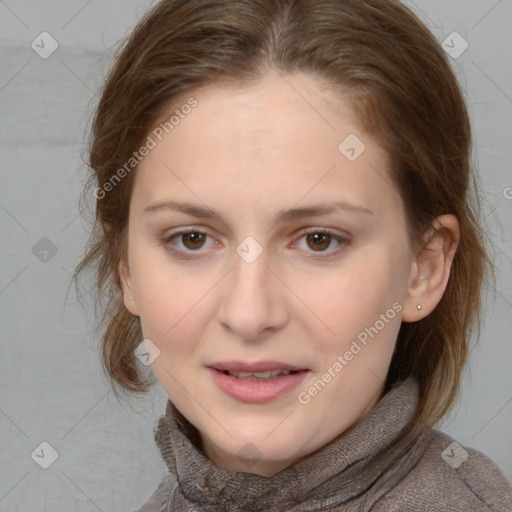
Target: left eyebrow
{"type": "Point", "coordinates": [283, 216]}
{"type": "Point", "coordinates": [317, 210]}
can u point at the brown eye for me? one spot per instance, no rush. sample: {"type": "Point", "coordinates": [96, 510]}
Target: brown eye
{"type": "Point", "coordinates": [318, 241]}
{"type": "Point", "coordinates": [193, 240]}
{"type": "Point", "coordinates": [189, 243]}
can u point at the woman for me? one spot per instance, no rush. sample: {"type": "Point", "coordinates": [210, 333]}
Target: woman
{"type": "Point", "coordinates": [287, 234]}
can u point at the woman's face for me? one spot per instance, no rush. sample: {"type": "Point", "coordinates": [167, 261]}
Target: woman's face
{"type": "Point", "coordinates": [264, 236]}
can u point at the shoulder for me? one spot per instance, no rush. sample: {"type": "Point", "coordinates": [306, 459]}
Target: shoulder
{"type": "Point", "coordinates": [452, 478]}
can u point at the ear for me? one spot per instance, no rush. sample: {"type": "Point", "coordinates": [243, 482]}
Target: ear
{"type": "Point", "coordinates": [128, 291]}
{"type": "Point", "coordinates": [431, 268]}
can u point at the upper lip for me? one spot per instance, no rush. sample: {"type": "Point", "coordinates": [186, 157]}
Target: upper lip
{"type": "Point", "coordinates": [259, 366]}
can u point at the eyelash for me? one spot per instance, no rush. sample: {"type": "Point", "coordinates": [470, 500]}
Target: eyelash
{"type": "Point", "coordinates": [188, 254]}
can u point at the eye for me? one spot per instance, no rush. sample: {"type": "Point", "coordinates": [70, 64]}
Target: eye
{"type": "Point", "coordinates": [186, 242]}
{"type": "Point", "coordinates": [190, 240]}
{"type": "Point", "coordinates": [319, 240]}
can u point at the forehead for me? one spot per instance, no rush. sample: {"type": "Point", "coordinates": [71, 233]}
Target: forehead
{"type": "Point", "coordinates": [278, 139]}
{"type": "Point", "coordinates": [292, 105]}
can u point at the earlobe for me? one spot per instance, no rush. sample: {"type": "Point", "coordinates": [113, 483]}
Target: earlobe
{"type": "Point", "coordinates": [127, 288]}
{"type": "Point", "coordinates": [431, 268]}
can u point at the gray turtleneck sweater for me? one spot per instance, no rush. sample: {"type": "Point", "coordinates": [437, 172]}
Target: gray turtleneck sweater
{"type": "Point", "coordinates": [355, 472]}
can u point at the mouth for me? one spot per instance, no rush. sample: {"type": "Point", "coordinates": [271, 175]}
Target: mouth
{"type": "Point", "coordinates": [262, 370]}
{"type": "Point", "coordinates": [256, 382]}
{"type": "Point", "coordinates": [259, 376]}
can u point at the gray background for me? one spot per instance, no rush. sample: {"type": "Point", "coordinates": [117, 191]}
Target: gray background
{"type": "Point", "coordinates": [51, 385]}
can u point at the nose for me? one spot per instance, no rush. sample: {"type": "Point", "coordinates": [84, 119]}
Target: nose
{"type": "Point", "coordinates": [254, 300]}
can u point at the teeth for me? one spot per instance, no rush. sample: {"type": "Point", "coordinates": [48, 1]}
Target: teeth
{"type": "Point", "coordinates": [268, 375]}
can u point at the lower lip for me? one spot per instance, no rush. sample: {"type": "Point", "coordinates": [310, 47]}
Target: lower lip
{"type": "Point", "coordinates": [256, 391]}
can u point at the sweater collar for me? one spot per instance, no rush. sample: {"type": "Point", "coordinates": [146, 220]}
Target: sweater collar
{"type": "Point", "coordinates": [347, 467]}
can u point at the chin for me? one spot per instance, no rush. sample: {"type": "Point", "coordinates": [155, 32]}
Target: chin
{"type": "Point", "coordinates": [273, 445]}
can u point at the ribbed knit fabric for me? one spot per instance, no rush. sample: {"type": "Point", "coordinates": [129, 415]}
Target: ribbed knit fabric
{"type": "Point", "coordinates": [372, 467]}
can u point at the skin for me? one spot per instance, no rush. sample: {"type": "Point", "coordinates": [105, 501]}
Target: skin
{"type": "Point", "coordinates": [247, 152]}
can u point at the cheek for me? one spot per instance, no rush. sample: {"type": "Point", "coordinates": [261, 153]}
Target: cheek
{"type": "Point", "coordinates": [173, 316]}
{"type": "Point", "coordinates": [350, 306]}
{"type": "Point", "coordinates": [169, 300]}
{"type": "Point", "coordinates": [353, 297]}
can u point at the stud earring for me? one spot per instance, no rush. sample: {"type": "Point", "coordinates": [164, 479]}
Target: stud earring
{"type": "Point", "coordinates": [419, 306]}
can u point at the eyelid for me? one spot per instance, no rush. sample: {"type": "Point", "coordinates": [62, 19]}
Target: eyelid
{"type": "Point", "coordinates": [329, 231]}
{"type": "Point", "coordinates": [184, 231]}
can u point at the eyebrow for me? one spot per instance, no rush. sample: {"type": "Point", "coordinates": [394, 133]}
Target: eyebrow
{"type": "Point", "coordinates": [281, 217]}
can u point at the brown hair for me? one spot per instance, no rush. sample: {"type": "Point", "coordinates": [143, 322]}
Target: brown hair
{"type": "Point", "coordinates": [407, 96]}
